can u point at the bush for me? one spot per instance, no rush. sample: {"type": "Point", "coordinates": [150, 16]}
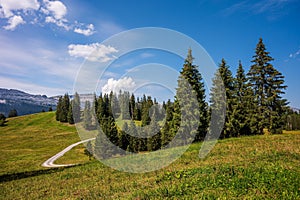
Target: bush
{"type": "Point", "coordinates": [13, 113]}
{"type": "Point", "coordinates": [2, 119]}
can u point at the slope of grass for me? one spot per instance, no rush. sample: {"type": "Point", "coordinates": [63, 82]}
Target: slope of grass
{"type": "Point", "coordinates": [27, 141]}
{"type": "Point", "coordinates": [257, 167]}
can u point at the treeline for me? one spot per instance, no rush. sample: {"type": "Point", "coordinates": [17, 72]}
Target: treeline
{"type": "Point", "coordinates": [292, 121]}
{"type": "Point", "coordinates": [12, 113]}
{"type": "Point", "coordinates": [244, 104]}
{"type": "Point", "coordinates": [124, 106]}
{"type": "Point", "coordinates": [68, 111]}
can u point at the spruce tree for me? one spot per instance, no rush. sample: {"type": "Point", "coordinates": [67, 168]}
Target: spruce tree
{"type": "Point", "coordinates": [124, 105]}
{"type": "Point", "coordinates": [64, 108]}
{"type": "Point", "coordinates": [107, 139]}
{"type": "Point", "coordinates": [153, 142]}
{"type": "Point", "coordinates": [133, 140]}
{"type": "Point", "coordinates": [132, 107]}
{"type": "Point", "coordinates": [191, 75]}
{"type": "Point", "coordinates": [123, 137]}
{"type": "Point", "coordinates": [166, 134]}
{"type": "Point", "coordinates": [228, 84]}
{"type": "Point", "coordinates": [58, 109]}
{"type": "Point", "coordinates": [2, 119]}
{"type": "Point", "coordinates": [76, 107]}
{"type": "Point", "coordinates": [268, 85]}
{"type": "Point", "coordinates": [13, 113]}
{"type": "Point", "coordinates": [242, 104]}
{"type": "Point", "coordinates": [217, 106]}
{"type": "Point", "coordinates": [146, 105]}
{"type": "Point", "coordinates": [87, 116]}
{"type": "Point", "coordinates": [70, 114]}
{"type": "Point", "coordinates": [115, 105]}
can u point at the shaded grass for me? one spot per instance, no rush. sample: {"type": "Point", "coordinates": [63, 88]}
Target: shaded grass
{"type": "Point", "coordinates": [256, 167]}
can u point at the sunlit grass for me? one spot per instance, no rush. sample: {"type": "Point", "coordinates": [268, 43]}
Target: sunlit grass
{"type": "Point", "coordinates": [256, 167]}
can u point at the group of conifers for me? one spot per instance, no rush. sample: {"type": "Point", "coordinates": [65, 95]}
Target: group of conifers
{"type": "Point", "coordinates": [245, 104]}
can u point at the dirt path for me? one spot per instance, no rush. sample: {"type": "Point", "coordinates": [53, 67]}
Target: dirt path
{"type": "Point", "coordinates": [50, 161]}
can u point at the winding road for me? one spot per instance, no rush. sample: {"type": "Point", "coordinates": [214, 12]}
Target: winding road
{"type": "Point", "coordinates": [50, 161]}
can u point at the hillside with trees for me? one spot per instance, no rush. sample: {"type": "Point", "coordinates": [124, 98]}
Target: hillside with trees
{"type": "Point", "coordinates": [252, 104]}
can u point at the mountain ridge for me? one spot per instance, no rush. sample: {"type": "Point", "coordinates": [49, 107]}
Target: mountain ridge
{"type": "Point", "coordinates": [23, 102]}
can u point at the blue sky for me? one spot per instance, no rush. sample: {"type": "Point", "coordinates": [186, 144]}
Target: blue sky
{"type": "Point", "coordinates": [44, 43]}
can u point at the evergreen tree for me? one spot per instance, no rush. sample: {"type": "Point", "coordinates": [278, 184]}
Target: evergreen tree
{"type": "Point", "coordinates": [166, 135]}
{"type": "Point", "coordinates": [115, 106]}
{"type": "Point", "coordinates": [132, 107]}
{"type": "Point", "coordinates": [133, 140]}
{"type": "Point", "coordinates": [137, 110]}
{"type": "Point", "coordinates": [154, 142]}
{"type": "Point", "coordinates": [217, 106]}
{"type": "Point", "coordinates": [76, 108]}
{"type": "Point", "coordinates": [13, 113]}
{"type": "Point", "coordinates": [2, 119]}
{"type": "Point", "coordinates": [176, 119]}
{"type": "Point", "coordinates": [70, 114]}
{"type": "Point", "coordinates": [268, 85]}
{"type": "Point", "coordinates": [100, 108]}
{"type": "Point", "coordinates": [63, 117]}
{"type": "Point", "coordinates": [191, 75]}
{"type": "Point", "coordinates": [124, 105]}
{"type": "Point", "coordinates": [87, 116]}
{"type": "Point", "coordinates": [123, 139]}
{"type": "Point", "coordinates": [292, 120]}
{"type": "Point", "coordinates": [242, 104]}
{"type": "Point", "coordinates": [146, 105]}
{"type": "Point", "coordinates": [58, 109]}
{"type": "Point", "coordinates": [228, 84]}
{"type": "Point", "coordinates": [110, 129]}
{"type": "Point", "coordinates": [107, 139]}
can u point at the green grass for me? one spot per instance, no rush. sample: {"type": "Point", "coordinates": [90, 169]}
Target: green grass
{"type": "Point", "coordinates": [27, 141]}
{"type": "Point", "coordinates": [256, 167]}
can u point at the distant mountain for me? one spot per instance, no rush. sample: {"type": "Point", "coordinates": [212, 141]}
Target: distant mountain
{"type": "Point", "coordinates": [23, 102]}
{"type": "Point", "coordinates": [295, 109]}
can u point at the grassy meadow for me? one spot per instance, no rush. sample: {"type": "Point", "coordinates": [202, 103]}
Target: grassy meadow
{"type": "Point", "coordinates": [256, 167]}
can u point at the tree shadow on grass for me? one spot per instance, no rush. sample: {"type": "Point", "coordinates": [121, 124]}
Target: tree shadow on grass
{"type": "Point", "coordinates": [28, 174]}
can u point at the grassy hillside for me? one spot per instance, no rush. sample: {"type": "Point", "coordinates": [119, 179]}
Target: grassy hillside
{"type": "Point", "coordinates": [27, 141]}
{"type": "Point", "coordinates": [239, 168]}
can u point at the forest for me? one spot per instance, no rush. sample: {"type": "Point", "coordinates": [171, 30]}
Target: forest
{"type": "Point", "coordinates": [242, 104]}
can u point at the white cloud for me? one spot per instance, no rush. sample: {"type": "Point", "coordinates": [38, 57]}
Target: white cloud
{"type": "Point", "coordinates": [294, 55]}
{"type": "Point", "coordinates": [16, 12]}
{"type": "Point", "coordinates": [94, 52]}
{"type": "Point", "coordinates": [56, 8]}
{"type": "Point", "coordinates": [8, 6]}
{"type": "Point", "coordinates": [273, 8]}
{"type": "Point", "coordinates": [60, 23]}
{"type": "Point", "coordinates": [43, 59]}
{"type": "Point", "coordinates": [124, 84]}
{"type": "Point", "coordinates": [13, 22]}
{"type": "Point", "coordinates": [87, 32]}
{"type": "Point", "coordinates": [56, 12]}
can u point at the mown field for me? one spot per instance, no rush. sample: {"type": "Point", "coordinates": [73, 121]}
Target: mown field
{"type": "Point", "coordinates": [257, 167]}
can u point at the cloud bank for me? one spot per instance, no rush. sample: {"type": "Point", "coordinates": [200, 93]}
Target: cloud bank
{"type": "Point", "coordinates": [94, 52]}
{"type": "Point", "coordinates": [124, 84]}
{"type": "Point", "coordinates": [18, 12]}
